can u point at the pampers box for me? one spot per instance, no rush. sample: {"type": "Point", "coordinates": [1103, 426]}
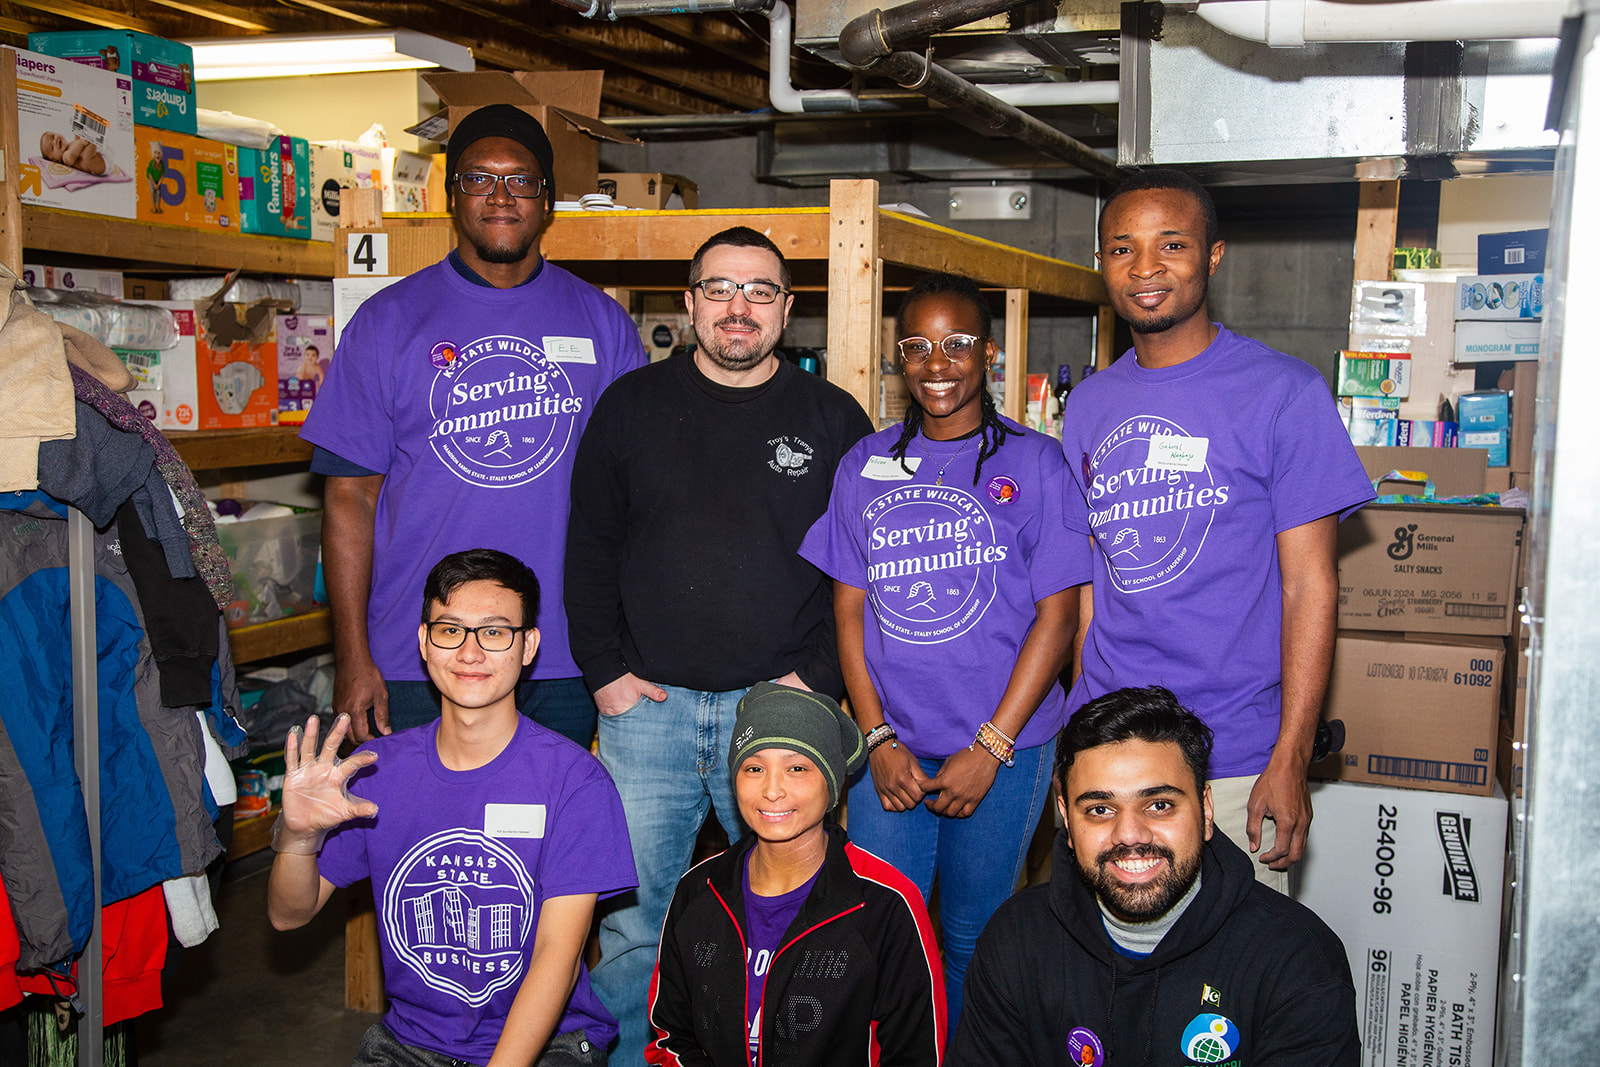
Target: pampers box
{"type": "Point", "coordinates": [1410, 880]}
{"type": "Point", "coordinates": [275, 188]}
{"type": "Point", "coordinates": [162, 70]}
{"type": "Point", "coordinates": [305, 347]}
{"type": "Point", "coordinates": [187, 181]}
{"type": "Point", "coordinates": [75, 127]}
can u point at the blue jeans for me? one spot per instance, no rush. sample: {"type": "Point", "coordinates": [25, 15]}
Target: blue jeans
{"type": "Point", "coordinates": [559, 704]}
{"type": "Point", "coordinates": [670, 764]}
{"type": "Point", "coordinates": [977, 860]}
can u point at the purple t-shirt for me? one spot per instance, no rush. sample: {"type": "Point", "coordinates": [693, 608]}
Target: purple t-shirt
{"type": "Point", "coordinates": [952, 573]}
{"type": "Point", "coordinates": [1185, 476]}
{"type": "Point", "coordinates": [462, 861]}
{"type": "Point", "coordinates": [766, 920]}
{"type": "Point", "coordinates": [469, 400]}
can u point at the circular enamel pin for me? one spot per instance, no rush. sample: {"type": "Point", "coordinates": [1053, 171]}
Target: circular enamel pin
{"type": "Point", "coordinates": [1003, 490]}
{"type": "Point", "coordinates": [1084, 1047]}
{"type": "Point", "coordinates": [442, 356]}
{"type": "Point", "coordinates": [1210, 1038]}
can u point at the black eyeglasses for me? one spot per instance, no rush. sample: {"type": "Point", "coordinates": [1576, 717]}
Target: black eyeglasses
{"type": "Point", "coordinates": [722, 289]}
{"type": "Point", "coordinates": [521, 186]}
{"type": "Point", "coordinates": [957, 348]}
{"type": "Point", "coordinates": [490, 638]}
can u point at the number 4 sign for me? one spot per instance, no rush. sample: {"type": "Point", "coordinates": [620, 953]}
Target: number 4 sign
{"type": "Point", "coordinates": [366, 254]}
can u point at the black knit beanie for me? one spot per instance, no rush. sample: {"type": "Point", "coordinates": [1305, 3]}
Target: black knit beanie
{"type": "Point", "coordinates": [814, 725]}
{"type": "Point", "coordinates": [502, 120]}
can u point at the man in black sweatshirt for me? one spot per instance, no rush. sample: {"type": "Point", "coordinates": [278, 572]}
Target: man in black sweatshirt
{"type": "Point", "coordinates": [1153, 944]}
{"type": "Point", "coordinates": [692, 487]}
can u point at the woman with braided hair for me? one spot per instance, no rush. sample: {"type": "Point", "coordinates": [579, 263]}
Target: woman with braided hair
{"type": "Point", "coordinates": [954, 600]}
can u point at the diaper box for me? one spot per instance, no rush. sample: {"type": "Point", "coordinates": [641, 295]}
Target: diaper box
{"type": "Point", "coordinates": [405, 181]}
{"type": "Point", "coordinates": [305, 347]}
{"type": "Point", "coordinates": [186, 181]}
{"type": "Point", "coordinates": [162, 70]}
{"type": "Point", "coordinates": [75, 128]}
{"type": "Point", "coordinates": [275, 188]}
{"type": "Point", "coordinates": [223, 374]}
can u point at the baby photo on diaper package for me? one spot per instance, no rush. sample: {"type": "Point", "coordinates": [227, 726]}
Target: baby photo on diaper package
{"type": "Point", "coordinates": [75, 125]}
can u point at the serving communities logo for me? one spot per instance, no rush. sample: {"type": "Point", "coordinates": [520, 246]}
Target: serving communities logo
{"type": "Point", "coordinates": [931, 562]}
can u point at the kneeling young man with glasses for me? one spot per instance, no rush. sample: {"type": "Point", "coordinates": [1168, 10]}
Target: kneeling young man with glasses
{"type": "Point", "coordinates": [488, 840]}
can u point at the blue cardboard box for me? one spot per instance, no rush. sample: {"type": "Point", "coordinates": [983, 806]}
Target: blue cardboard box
{"type": "Point", "coordinates": [1478, 412]}
{"type": "Point", "coordinates": [162, 70]}
{"type": "Point", "coordinates": [275, 188]}
{"type": "Point", "coordinates": [1518, 252]}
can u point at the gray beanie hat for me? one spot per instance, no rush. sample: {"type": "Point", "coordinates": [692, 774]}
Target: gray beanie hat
{"type": "Point", "coordinates": [812, 724]}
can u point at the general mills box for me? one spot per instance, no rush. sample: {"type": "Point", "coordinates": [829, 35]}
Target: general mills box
{"type": "Point", "coordinates": [305, 347]}
{"type": "Point", "coordinates": [75, 128]}
{"type": "Point", "coordinates": [187, 181]}
{"type": "Point", "coordinates": [1436, 568]}
{"type": "Point", "coordinates": [275, 188]}
{"type": "Point", "coordinates": [1500, 296]}
{"type": "Point", "coordinates": [1410, 880]}
{"type": "Point", "coordinates": [335, 167]}
{"type": "Point", "coordinates": [162, 70]}
{"type": "Point", "coordinates": [1420, 710]}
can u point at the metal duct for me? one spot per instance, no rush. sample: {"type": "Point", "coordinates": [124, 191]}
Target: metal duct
{"type": "Point", "coordinates": [1292, 23]}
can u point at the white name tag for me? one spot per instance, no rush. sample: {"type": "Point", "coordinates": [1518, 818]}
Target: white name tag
{"type": "Point", "coordinates": [1170, 452]}
{"type": "Point", "coordinates": [569, 349]}
{"type": "Point", "coordinates": [513, 820]}
{"type": "Point", "coordinates": [888, 469]}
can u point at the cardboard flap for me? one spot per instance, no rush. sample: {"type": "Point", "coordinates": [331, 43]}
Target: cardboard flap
{"type": "Point", "coordinates": [227, 324]}
{"type": "Point", "coordinates": [571, 90]}
{"type": "Point", "coordinates": [477, 88]}
{"type": "Point", "coordinates": [595, 128]}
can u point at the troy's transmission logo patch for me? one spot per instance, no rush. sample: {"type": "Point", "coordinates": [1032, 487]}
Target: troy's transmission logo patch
{"type": "Point", "coordinates": [458, 909]}
{"type": "Point", "coordinates": [503, 412]}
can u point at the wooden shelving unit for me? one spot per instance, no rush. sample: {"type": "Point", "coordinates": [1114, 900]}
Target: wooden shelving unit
{"type": "Point", "coordinates": [296, 633]}
{"type": "Point", "coordinates": [211, 449]}
{"type": "Point", "coordinates": [167, 247]}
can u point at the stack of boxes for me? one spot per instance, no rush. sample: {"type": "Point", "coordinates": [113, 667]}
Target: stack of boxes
{"type": "Point", "coordinates": [1406, 856]}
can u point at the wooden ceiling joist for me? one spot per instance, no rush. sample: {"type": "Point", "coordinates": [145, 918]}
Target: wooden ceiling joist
{"type": "Point", "coordinates": [623, 90]}
{"type": "Point", "coordinates": [239, 17]}
{"type": "Point", "coordinates": [93, 14]}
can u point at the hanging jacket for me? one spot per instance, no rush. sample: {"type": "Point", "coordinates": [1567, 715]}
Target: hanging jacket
{"type": "Point", "coordinates": [1246, 976]}
{"type": "Point", "coordinates": [856, 979]}
{"type": "Point", "coordinates": [156, 814]}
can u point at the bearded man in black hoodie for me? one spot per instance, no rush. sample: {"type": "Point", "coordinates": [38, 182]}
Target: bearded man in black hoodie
{"type": "Point", "coordinates": [1152, 944]}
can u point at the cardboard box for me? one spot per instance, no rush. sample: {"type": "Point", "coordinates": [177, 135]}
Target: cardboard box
{"type": "Point", "coordinates": [1511, 760]}
{"type": "Point", "coordinates": [1495, 442]}
{"type": "Point", "coordinates": [652, 192]}
{"type": "Point", "coordinates": [1522, 380]}
{"type": "Point", "coordinates": [33, 275]}
{"type": "Point", "coordinates": [1437, 568]}
{"type": "Point", "coordinates": [564, 101]}
{"type": "Point", "coordinates": [63, 107]}
{"type": "Point", "coordinates": [1374, 374]}
{"type": "Point", "coordinates": [305, 348]}
{"type": "Point", "coordinates": [275, 188]}
{"type": "Point", "coordinates": [1489, 409]}
{"type": "Point", "coordinates": [92, 279]}
{"type": "Point", "coordinates": [186, 181]}
{"type": "Point", "coordinates": [335, 167]}
{"type": "Point", "coordinates": [404, 179]}
{"type": "Point", "coordinates": [1490, 342]}
{"type": "Point", "coordinates": [162, 71]}
{"type": "Point", "coordinates": [224, 372]}
{"type": "Point", "coordinates": [1419, 711]}
{"type": "Point", "coordinates": [1518, 252]}
{"type": "Point", "coordinates": [167, 381]}
{"type": "Point", "coordinates": [1416, 259]}
{"type": "Point", "coordinates": [143, 288]}
{"type": "Point", "coordinates": [1370, 420]}
{"type": "Point", "coordinates": [1503, 296]}
{"type": "Point", "coordinates": [1411, 882]}
{"type": "Point", "coordinates": [1425, 433]}
{"type": "Point", "coordinates": [1452, 473]}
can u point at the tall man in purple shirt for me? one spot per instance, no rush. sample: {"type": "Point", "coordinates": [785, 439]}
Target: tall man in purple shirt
{"type": "Point", "coordinates": [1211, 473]}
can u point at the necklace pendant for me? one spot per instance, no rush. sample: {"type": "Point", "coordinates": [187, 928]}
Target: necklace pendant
{"type": "Point", "coordinates": [939, 480]}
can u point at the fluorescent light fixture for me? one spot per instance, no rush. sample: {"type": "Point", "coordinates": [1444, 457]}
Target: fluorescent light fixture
{"type": "Point", "coordinates": [292, 55]}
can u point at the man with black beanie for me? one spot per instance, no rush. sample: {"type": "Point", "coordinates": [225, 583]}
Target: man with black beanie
{"type": "Point", "coordinates": [448, 420]}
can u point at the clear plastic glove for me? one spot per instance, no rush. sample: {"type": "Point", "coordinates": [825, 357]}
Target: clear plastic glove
{"type": "Point", "coordinates": [316, 795]}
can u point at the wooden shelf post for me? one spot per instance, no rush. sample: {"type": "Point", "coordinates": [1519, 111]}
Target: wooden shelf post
{"type": "Point", "coordinates": [855, 290]}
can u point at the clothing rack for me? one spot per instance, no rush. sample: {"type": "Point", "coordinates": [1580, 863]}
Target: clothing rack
{"type": "Point", "coordinates": [86, 754]}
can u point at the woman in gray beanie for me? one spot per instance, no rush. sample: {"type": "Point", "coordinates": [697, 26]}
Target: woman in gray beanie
{"type": "Point", "coordinates": [794, 946]}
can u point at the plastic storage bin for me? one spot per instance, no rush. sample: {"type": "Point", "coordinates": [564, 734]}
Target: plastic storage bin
{"type": "Point", "coordinates": [274, 563]}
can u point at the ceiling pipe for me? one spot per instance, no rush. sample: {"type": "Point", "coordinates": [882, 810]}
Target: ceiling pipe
{"type": "Point", "coordinates": [1294, 23]}
{"type": "Point", "coordinates": [872, 42]}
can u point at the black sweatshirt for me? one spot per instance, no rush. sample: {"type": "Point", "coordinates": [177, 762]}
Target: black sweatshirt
{"type": "Point", "coordinates": [689, 502]}
{"type": "Point", "coordinates": [1045, 967]}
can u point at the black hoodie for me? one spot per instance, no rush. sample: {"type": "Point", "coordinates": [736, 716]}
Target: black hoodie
{"type": "Point", "coordinates": [1246, 977]}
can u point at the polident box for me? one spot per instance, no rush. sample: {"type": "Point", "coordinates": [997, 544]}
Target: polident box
{"type": "Point", "coordinates": [162, 70]}
{"type": "Point", "coordinates": [1438, 568]}
{"type": "Point", "coordinates": [1374, 374]}
{"type": "Point", "coordinates": [1500, 296]}
{"type": "Point", "coordinates": [305, 347]}
{"type": "Point", "coordinates": [1445, 736]}
{"type": "Point", "coordinates": [335, 167]}
{"type": "Point", "coordinates": [187, 181]}
{"type": "Point", "coordinates": [75, 128]}
{"type": "Point", "coordinates": [564, 101]}
{"type": "Point", "coordinates": [1410, 880]}
{"type": "Point", "coordinates": [275, 188]}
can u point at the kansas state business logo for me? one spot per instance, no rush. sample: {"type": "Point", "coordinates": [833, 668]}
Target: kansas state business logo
{"type": "Point", "coordinates": [1455, 839]}
{"type": "Point", "coordinates": [503, 412]}
{"type": "Point", "coordinates": [1149, 521]}
{"type": "Point", "coordinates": [931, 562]}
{"type": "Point", "coordinates": [458, 909]}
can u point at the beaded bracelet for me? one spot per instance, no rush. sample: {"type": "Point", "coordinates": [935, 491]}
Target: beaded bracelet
{"type": "Point", "coordinates": [879, 734]}
{"type": "Point", "coordinates": [996, 744]}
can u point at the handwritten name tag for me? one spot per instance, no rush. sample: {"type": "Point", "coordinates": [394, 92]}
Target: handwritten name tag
{"type": "Point", "coordinates": [888, 469]}
{"type": "Point", "coordinates": [1170, 452]}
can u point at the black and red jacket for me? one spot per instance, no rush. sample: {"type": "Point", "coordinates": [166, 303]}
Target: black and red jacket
{"type": "Point", "coordinates": [856, 980]}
